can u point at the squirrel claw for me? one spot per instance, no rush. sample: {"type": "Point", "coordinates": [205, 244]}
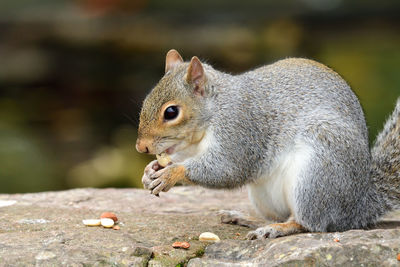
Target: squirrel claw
{"type": "Point", "coordinates": [156, 191]}
{"type": "Point", "coordinates": [251, 235]}
{"type": "Point", "coordinates": [261, 233]}
{"type": "Point", "coordinates": [157, 195]}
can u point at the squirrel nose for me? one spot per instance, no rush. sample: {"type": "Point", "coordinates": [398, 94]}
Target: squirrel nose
{"type": "Point", "coordinates": [141, 147]}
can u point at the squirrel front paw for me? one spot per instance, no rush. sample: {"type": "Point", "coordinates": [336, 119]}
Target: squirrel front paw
{"type": "Point", "coordinates": [150, 169]}
{"type": "Point", "coordinates": [164, 179]}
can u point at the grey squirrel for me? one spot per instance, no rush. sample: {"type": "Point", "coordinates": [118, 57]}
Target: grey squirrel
{"type": "Point", "coordinates": [293, 132]}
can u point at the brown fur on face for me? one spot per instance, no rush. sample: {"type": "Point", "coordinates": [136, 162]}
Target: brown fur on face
{"type": "Point", "coordinates": [173, 89]}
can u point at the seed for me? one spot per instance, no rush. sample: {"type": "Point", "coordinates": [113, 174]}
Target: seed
{"type": "Point", "coordinates": [207, 236]}
{"type": "Point", "coordinates": [107, 222]}
{"type": "Point", "coordinates": [91, 222]}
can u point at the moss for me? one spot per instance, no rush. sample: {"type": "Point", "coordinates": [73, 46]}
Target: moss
{"type": "Point", "coordinates": [200, 252]}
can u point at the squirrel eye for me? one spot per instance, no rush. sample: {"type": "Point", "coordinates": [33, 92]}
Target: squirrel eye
{"type": "Point", "coordinates": [171, 113]}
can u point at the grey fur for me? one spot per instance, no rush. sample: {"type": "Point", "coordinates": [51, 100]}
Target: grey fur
{"type": "Point", "coordinates": [255, 116]}
{"type": "Point", "coordinates": [386, 160]}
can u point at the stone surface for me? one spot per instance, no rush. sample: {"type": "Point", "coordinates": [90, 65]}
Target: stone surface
{"type": "Point", "coordinates": [46, 229]}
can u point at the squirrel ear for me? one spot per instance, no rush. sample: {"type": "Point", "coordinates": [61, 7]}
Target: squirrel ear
{"type": "Point", "coordinates": [196, 76]}
{"type": "Point", "coordinates": [172, 60]}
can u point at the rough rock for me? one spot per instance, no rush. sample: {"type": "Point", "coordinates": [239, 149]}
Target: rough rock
{"type": "Point", "coordinates": [46, 229]}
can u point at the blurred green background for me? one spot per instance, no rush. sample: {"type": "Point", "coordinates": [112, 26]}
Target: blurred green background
{"type": "Point", "coordinates": [73, 74]}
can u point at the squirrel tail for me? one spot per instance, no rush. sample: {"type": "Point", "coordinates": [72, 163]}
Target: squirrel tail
{"type": "Point", "coordinates": [386, 160]}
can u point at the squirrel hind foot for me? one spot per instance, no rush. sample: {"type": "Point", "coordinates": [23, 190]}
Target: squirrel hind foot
{"type": "Point", "coordinates": [276, 230]}
{"type": "Point", "coordinates": [238, 218]}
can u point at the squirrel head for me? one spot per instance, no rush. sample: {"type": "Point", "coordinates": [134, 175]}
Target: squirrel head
{"type": "Point", "coordinates": [173, 114]}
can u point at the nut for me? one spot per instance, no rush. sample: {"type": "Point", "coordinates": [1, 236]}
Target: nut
{"type": "Point", "coordinates": [91, 222]}
{"type": "Point", "coordinates": [184, 245]}
{"type": "Point", "coordinates": [207, 236]}
{"type": "Point", "coordinates": [109, 215]}
{"type": "Point", "coordinates": [107, 222]}
{"type": "Point", "coordinates": [163, 159]}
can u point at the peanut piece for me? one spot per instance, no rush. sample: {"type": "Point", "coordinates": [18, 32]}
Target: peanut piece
{"type": "Point", "coordinates": [207, 236]}
{"type": "Point", "coordinates": [184, 245]}
{"type": "Point", "coordinates": [91, 222]}
{"type": "Point", "coordinates": [107, 222]}
{"type": "Point", "coordinates": [163, 159]}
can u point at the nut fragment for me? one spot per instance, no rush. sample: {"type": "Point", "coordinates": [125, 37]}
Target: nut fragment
{"type": "Point", "coordinates": [91, 222]}
{"type": "Point", "coordinates": [116, 227]}
{"type": "Point", "coordinates": [184, 245]}
{"type": "Point", "coordinates": [109, 215]}
{"type": "Point", "coordinates": [163, 159]}
{"type": "Point", "coordinates": [398, 257]}
{"type": "Point", "coordinates": [207, 236]}
{"type": "Point", "coordinates": [107, 222]}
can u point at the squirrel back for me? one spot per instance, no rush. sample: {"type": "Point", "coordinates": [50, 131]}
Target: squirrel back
{"type": "Point", "coordinates": [293, 132]}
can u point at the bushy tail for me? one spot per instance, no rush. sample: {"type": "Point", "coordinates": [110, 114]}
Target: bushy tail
{"type": "Point", "coordinates": [386, 160]}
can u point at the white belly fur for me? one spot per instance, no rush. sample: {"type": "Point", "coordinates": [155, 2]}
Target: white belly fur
{"type": "Point", "coordinates": [272, 194]}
